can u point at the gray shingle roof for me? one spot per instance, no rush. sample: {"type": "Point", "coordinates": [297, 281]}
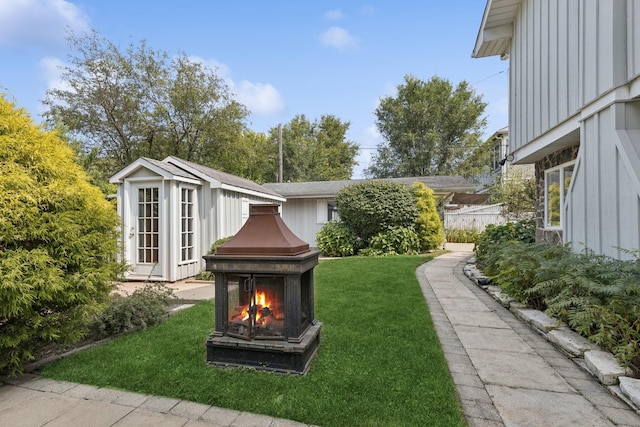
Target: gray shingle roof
{"type": "Point", "coordinates": [439, 184]}
{"type": "Point", "coordinates": [225, 178]}
{"type": "Point", "coordinates": [173, 170]}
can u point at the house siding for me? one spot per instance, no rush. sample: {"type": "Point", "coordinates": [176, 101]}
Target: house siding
{"type": "Point", "coordinates": [301, 216]}
{"type": "Point", "coordinates": [574, 74]}
{"type": "Point", "coordinates": [232, 216]}
{"type": "Point", "coordinates": [604, 211]}
{"type": "Point", "coordinates": [565, 55]}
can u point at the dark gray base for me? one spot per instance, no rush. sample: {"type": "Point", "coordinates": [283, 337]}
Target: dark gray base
{"type": "Point", "coordinates": [270, 355]}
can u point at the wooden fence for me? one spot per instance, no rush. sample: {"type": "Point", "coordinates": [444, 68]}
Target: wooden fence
{"type": "Point", "coordinates": [473, 217]}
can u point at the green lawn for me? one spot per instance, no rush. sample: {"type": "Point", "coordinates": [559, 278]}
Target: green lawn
{"type": "Point", "coordinates": [379, 361]}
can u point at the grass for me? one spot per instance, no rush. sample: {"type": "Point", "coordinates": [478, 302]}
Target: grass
{"type": "Point", "coordinates": [379, 361]}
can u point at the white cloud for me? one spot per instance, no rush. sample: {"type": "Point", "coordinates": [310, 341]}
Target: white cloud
{"type": "Point", "coordinates": [51, 71]}
{"type": "Point", "coordinates": [39, 23]}
{"type": "Point", "coordinates": [335, 14]}
{"type": "Point", "coordinates": [260, 98]}
{"type": "Point", "coordinates": [339, 38]}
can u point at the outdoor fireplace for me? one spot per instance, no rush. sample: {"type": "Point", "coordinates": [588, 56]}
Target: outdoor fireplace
{"type": "Point", "coordinates": [264, 297]}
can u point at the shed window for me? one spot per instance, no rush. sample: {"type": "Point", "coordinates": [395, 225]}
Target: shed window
{"type": "Point", "coordinates": [556, 183]}
{"type": "Point", "coordinates": [187, 231]}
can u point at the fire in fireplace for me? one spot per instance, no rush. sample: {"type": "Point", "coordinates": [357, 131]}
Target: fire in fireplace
{"type": "Point", "coordinates": [264, 297]}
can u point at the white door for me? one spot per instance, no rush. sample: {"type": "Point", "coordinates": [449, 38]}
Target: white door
{"type": "Point", "coordinates": [145, 247]}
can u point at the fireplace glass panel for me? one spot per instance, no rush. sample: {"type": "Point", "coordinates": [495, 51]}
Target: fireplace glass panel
{"type": "Point", "coordinates": [256, 307]}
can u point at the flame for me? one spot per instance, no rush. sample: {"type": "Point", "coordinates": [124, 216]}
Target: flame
{"type": "Point", "coordinates": [261, 302]}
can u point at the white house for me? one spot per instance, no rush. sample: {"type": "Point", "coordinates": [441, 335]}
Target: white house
{"type": "Point", "coordinates": [574, 112]}
{"type": "Point", "coordinates": [310, 205]}
{"type": "Point", "coordinates": [173, 210]}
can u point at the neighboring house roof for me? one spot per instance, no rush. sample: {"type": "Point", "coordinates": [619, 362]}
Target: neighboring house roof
{"type": "Point", "coordinates": [222, 179]}
{"type": "Point", "coordinates": [328, 189]}
{"type": "Point", "coordinates": [496, 30]}
{"type": "Point", "coordinates": [469, 199]}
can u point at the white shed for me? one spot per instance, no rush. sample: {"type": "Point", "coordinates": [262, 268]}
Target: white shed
{"type": "Point", "coordinates": [173, 210]}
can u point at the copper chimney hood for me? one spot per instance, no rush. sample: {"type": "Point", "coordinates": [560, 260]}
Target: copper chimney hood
{"type": "Point", "coordinates": [264, 297]}
{"type": "Point", "coordinates": [264, 233]}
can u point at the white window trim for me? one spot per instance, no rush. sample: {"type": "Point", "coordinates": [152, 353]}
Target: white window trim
{"type": "Point", "coordinates": [560, 168]}
{"type": "Point", "coordinates": [195, 233]}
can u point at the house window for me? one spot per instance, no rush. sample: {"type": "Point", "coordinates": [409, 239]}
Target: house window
{"type": "Point", "coordinates": [556, 183]}
{"type": "Point", "coordinates": [148, 225]}
{"type": "Point", "coordinates": [187, 224]}
{"type": "Point", "coordinates": [326, 211]}
{"type": "Point", "coordinates": [332, 212]}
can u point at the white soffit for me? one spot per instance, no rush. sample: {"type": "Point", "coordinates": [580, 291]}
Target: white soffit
{"type": "Point", "coordinates": [496, 29]}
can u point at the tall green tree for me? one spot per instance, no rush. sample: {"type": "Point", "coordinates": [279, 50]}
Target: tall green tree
{"type": "Point", "coordinates": [58, 241]}
{"type": "Point", "coordinates": [140, 102]}
{"type": "Point", "coordinates": [429, 128]}
{"type": "Point", "coordinates": [316, 151]}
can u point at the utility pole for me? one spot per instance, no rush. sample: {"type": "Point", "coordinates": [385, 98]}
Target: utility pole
{"type": "Point", "coordinates": [280, 167]}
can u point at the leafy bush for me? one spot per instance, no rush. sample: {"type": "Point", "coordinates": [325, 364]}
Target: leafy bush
{"type": "Point", "coordinates": [428, 224]}
{"type": "Point", "coordinates": [58, 241]}
{"type": "Point", "coordinates": [368, 208]}
{"type": "Point", "coordinates": [334, 239]}
{"type": "Point", "coordinates": [494, 236]}
{"type": "Point", "coordinates": [145, 307]}
{"type": "Point", "coordinates": [517, 267]}
{"type": "Point", "coordinates": [394, 241]}
{"type": "Point", "coordinates": [463, 235]}
{"type": "Point", "coordinates": [218, 243]}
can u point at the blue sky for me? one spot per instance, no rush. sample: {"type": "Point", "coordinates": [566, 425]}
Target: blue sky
{"type": "Point", "coordinates": [280, 58]}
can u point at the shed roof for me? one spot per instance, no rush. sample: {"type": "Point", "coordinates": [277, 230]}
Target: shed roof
{"type": "Point", "coordinates": [439, 184]}
{"type": "Point", "coordinates": [214, 175]}
{"type": "Point", "coordinates": [496, 29]}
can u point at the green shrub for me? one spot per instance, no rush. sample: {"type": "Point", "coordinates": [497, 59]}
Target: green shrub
{"type": "Point", "coordinates": [463, 235]}
{"type": "Point", "coordinates": [599, 297]}
{"type": "Point", "coordinates": [334, 239]}
{"type": "Point", "coordinates": [368, 208]}
{"type": "Point", "coordinates": [394, 241]}
{"type": "Point", "coordinates": [218, 243]}
{"type": "Point", "coordinates": [494, 236]}
{"type": "Point", "coordinates": [428, 223]}
{"type": "Point", "coordinates": [145, 307]}
{"type": "Point", "coordinates": [517, 267]}
{"type": "Point", "coordinates": [58, 242]}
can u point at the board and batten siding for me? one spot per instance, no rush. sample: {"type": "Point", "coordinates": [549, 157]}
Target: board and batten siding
{"type": "Point", "coordinates": [603, 203]}
{"type": "Point", "coordinates": [564, 55]}
{"type": "Point", "coordinates": [301, 216]}
{"type": "Point", "coordinates": [234, 211]}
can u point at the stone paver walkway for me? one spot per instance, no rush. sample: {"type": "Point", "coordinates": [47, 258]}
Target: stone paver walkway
{"type": "Point", "coordinates": [505, 373]}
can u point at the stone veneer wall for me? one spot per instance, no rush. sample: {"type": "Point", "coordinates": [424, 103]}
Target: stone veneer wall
{"type": "Point", "coordinates": [558, 158]}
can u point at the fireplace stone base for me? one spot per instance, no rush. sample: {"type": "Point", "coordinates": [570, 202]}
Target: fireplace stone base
{"type": "Point", "coordinates": [269, 355]}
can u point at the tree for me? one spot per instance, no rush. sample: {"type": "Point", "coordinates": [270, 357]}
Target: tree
{"type": "Point", "coordinates": [517, 193]}
{"type": "Point", "coordinates": [58, 241]}
{"type": "Point", "coordinates": [429, 128]}
{"type": "Point", "coordinates": [254, 156]}
{"type": "Point", "coordinates": [316, 151]}
{"type": "Point", "coordinates": [139, 102]}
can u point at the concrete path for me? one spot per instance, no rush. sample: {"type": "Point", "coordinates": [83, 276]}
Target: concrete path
{"type": "Point", "coordinates": [505, 373]}
{"type": "Point", "coordinates": [33, 401]}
